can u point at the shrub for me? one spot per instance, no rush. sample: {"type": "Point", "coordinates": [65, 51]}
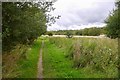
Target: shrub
{"type": "Point", "coordinates": [69, 35]}
{"type": "Point", "coordinates": [50, 34]}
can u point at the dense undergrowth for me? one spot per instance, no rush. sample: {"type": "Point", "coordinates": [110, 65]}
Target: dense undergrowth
{"type": "Point", "coordinates": [22, 61]}
{"type": "Point", "coordinates": [94, 56]}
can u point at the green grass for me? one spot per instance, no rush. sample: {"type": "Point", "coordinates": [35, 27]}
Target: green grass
{"type": "Point", "coordinates": [58, 60]}
{"type": "Point", "coordinates": [58, 64]}
{"type": "Point", "coordinates": [55, 65]}
{"type": "Point", "coordinates": [28, 67]}
{"type": "Point", "coordinates": [22, 62]}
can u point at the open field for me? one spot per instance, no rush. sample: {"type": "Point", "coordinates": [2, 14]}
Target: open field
{"type": "Point", "coordinates": [80, 58]}
{"type": "Point", "coordinates": [64, 58]}
{"type": "Point", "coordinates": [42, 39]}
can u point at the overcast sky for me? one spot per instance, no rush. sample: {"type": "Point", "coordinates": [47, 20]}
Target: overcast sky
{"type": "Point", "coordinates": [79, 14]}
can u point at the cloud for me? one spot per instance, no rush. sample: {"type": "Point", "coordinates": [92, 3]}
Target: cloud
{"type": "Point", "coordinates": [78, 14]}
{"type": "Point", "coordinates": [56, 27]}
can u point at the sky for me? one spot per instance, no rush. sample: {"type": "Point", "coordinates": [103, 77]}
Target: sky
{"type": "Point", "coordinates": [80, 14]}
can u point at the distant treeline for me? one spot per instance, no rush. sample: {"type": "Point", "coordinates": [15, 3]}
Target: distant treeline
{"type": "Point", "coordinates": [94, 31]}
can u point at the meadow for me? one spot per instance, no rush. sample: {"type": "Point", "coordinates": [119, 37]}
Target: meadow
{"type": "Point", "coordinates": [80, 58]}
{"type": "Point", "coordinates": [64, 58]}
{"type": "Point", "coordinates": [26, 24]}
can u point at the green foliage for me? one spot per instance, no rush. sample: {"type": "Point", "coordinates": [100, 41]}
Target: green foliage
{"type": "Point", "coordinates": [10, 68]}
{"type": "Point", "coordinates": [94, 31]}
{"type": "Point", "coordinates": [50, 33]}
{"type": "Point", "coordinates": [28, 67]}
{"type": "Point", "coordinates": [113, 22]}
{"type": "Point", "coordinates": [54, 62]}
{"type": "Point", "coordinates": [23, 22]}
{"type": "Point", "coordinates": [21, 62]}
{"type": "Point", "coordinates": [79, 32]}
{"type": "Point", "coordinates": [92, 56]}
{"type": "Point", "coordinates": [69, 34]}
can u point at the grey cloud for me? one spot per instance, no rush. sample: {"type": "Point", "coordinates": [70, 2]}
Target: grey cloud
{"type": "Point", "coordinates": [73, 14]}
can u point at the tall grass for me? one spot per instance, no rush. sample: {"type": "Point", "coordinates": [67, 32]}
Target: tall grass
{"type": "Point", "coordinates": [9, 61]}
{"type": "Point", "coordinates": [22, 61]}
{"type": "Point", "coordinates": [97, 55]}
{"type": "Point", "coordinates": [28, 67]}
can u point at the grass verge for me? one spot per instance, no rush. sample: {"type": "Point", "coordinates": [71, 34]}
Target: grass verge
{"type": "Point", "coordinates": [22, 61]}
{"type": "Point", "coordinates": [28, 67]}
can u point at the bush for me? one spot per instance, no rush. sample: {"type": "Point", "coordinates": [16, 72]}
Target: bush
{"type": "Point", "coordinates": [50, 34]}
{"type": "Point", "coordinates": [69, 35]}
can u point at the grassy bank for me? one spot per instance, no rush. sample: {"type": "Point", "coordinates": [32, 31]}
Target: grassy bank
{"type": "Point", "coordinates": [80, 58]}
{"type": "Point", "coordinates": [22, 61]}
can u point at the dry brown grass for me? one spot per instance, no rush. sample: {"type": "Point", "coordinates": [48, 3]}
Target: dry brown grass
{"type": "Point", "coordinates": [77, 53]}
{"type": "Point", "coordinates": [9, 61]}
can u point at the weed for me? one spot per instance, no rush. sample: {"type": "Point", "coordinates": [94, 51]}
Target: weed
{"type": "Point", "coordinates": [96, 56]}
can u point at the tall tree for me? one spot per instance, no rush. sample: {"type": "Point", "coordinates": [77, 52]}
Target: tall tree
{"type": "Point", "coordinates": [113, 27]}
{"type": "Point", "coordinates": [23, 22]}
{"type": "Point", "coordinates": [113, 22]}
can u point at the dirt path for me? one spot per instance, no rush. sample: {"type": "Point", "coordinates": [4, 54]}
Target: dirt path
{"type": "Point", "coordinates": [40, 67]}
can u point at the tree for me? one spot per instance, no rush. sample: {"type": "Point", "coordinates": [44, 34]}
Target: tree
{"type": "Point", "coordinates": [85, 32]}
{"type": "Point", "coordinates": [113, 22]}
{"type": "Point", "coordinates": [94, 31]}
{"type": "Point", "coordinates": [69, 34]}
{"type": "Point", "coordinates": [50, 33]}
{"type": "Point", "coordinates": [23, 22]}
{"type": "Point", "coordinates": [78, 32]}
{"type": "Point", "coordinates": [113, 28]}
